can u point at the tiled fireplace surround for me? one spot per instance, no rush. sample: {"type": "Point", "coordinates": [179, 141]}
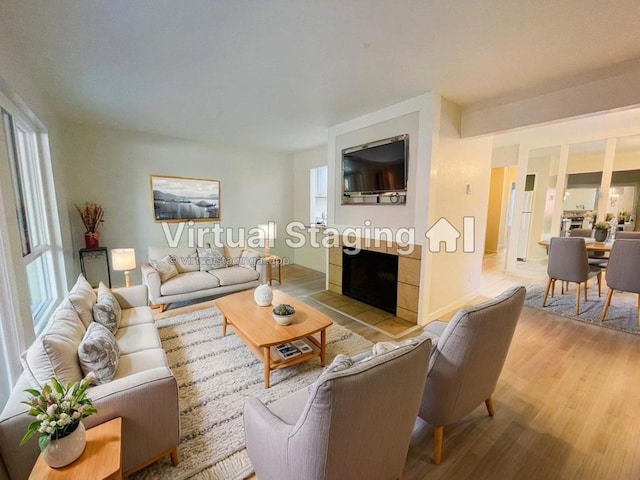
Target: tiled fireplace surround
{"type": "Point", "coordinates": [408, 274]}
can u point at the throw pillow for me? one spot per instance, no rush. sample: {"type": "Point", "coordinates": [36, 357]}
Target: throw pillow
{"type": "Point", "coordinates": [249, 259]}
{"type": "Point", "coordinates": [98, 353]}
{"type": "Point", "coordinates": [107, 311]}
{"type": "Point", "coordinates": [82, 297]}
{"type": "Point", "coordinates": [55, 352]}
{"type": "Point", "coordinates": [166, 267]}
{"type": "Point", "coordinates": [211, 259]}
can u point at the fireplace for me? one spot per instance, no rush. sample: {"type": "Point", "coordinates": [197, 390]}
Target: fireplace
{"type": "Point", "coordinates": [371, 277]}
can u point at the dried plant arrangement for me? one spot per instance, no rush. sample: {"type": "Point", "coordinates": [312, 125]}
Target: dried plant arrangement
{"type": "Point", "coordinates": [91, 215]}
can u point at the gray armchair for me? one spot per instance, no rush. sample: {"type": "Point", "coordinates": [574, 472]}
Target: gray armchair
{"type": "Point", "coordinates": [354, 422]}
{"type": "Point", "coordinates": [467, 360]}
{"type": "Point", "coordinates": [568, 262]}
{"type": "Point", "coordinates": [622, 272]}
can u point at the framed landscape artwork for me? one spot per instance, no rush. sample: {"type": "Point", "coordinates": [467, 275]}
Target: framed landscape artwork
{"type": "Point", "coordinates": [180, 199]}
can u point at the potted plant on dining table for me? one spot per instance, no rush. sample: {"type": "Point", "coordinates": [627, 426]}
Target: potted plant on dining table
{"type": "Point", "coordinates": [601, 231]}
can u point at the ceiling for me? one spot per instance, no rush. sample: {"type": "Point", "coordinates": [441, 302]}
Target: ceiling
{"type": "Point", "coordinates": [276, 73]}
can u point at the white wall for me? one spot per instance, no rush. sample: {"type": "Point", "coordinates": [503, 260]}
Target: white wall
{"type": "Point", "coordinates": [303, 162]}
{"type": "Point", "coordinates": [453, 278]}
{"type": "Point", "coordinates": [112, 167]}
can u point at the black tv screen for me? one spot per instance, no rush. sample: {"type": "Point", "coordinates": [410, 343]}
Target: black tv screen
{"type": "Point", "coordinates": [376, 167]}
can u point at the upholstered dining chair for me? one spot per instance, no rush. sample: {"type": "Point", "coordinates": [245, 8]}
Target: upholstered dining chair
{"type": "Point", "coordinates": [466, 361]}
{"type": "Point", "coordinates": [598, 259]}
{"type": "Point", "coordinates": [627, 236]}
{"type": "Point", "coordinates": [568, 262]}
{"type": "Point", "coordinates": [623, 272]}
{"type": "Point", "coordinates": [354, 422]}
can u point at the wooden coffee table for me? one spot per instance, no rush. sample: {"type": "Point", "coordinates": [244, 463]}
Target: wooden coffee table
{"type": "Point", "coordinates": [256, 327]}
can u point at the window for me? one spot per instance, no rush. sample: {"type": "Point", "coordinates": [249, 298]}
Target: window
{"type": "Point", "coordinates": [28, 192]}
{"type": "Point", "coordinates": [318, 200]}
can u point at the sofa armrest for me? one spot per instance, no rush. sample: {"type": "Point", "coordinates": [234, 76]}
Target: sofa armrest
{"type": "Point", "coordinates": [151, 278]}
{"type": "Point", "coordinates": [130, 297]}
{"type": "Point", "coordinates": [146, 432]}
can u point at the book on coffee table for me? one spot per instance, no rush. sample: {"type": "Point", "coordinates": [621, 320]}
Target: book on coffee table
{"type": "Point", "coordinates": [286, 350]}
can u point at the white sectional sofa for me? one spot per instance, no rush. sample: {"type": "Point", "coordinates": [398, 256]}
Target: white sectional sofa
{"type": "Point", "coordinates": [143, 390]}
{"type": "Point", "coordinates": [241, 269]}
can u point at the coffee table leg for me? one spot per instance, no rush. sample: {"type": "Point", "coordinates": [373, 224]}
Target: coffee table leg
{"type": "Point", "coordinates": [267, 366]}
{"type": "Point", "coordinates": [224, 325]}
{"type": "Point", "coordinates": [323, 346]}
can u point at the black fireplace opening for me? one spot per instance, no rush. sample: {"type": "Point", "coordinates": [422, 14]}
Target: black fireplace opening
{"type": "Point", "coordinates": [371, 277]}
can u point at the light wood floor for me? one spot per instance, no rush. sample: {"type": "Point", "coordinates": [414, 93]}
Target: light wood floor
{"type": "Point", "coordinates": [567, 403]}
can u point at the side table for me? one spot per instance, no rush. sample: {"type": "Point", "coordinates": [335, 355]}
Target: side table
{"type": "Point", "coordinates": [273, 261]}
{"type": "Point", "coordinates": [101, 459]}
{"type": "Point", "coordinates": [92, 263]}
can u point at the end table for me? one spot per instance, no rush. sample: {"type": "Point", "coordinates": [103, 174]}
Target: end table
{"type": "Point", "coordinates": [273, 261]}
{"type": "Point", "coordinates": [101, 459]}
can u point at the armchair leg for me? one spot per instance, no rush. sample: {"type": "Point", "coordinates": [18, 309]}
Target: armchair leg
{"type": "Point", "coordinates": [585, 291]}
{"type": "Point", "coordinates": [546, 292]}
{"type": "Point", "coordinates": [606, 304]}
{"type": "Point", "coordinates": [174, 457]}
{"type": "Point", "coordinates": [489, 403]}
{"type": "Point", "coordinates": [438, 433]}
{"type": "Point", "coordinates": [577, 299]}
{"type": "Point", "coordinates": [639, 309]}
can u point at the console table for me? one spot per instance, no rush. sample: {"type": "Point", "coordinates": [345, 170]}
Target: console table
{"type": "Point", "coordinates": [94, 263]}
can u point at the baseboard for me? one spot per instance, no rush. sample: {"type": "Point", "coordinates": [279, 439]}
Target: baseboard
{"type": "Point", "coordinates": [457, 305]}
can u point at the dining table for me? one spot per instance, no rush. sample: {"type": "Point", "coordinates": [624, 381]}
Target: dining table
{"type": "Point", "coordinates": [603, 247]}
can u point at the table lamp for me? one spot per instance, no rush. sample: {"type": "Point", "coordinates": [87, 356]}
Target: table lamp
{"type": "Point", "coordinates": [268, 232]}
{"type": "Point", "coordinates": [124, 259]}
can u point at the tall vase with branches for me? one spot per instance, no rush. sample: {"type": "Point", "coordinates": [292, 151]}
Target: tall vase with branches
{"type": "Point", "coordinates": [92, 215]}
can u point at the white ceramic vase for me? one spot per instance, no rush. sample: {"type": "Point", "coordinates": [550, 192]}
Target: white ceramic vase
{"type": "Point", "coordinates": [263, 295]}
{"type": "Point", "coordinates": [66, 450]}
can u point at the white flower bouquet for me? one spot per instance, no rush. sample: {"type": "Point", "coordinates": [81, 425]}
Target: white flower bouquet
{"type": "Point", "coordinates": [58, 410]}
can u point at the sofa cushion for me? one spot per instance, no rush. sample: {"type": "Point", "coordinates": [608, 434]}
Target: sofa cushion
{"type": "Point", "coordinates": [137, 337]}
{"type": "Point", "coordinates": [189, 282]}
{"type": "Point", "coordinates": [211, 259]}
{"type": "Point", "coordinates": [186, 257]}
{"type": "Point", "coordinates": [165, 267]}
{"type": "Point", "coordinates": [234, 275]}
{"type": "Point", "coordinates": [82, 297]}
{"type": "Point", "coordinates": [55, 352]}
{"type": "Point", "coordinates": [107, 311]}
{"type": "Point", "coordinates": [136, 362]}
{"type": "Point", "coordinates": [232, 254]}
{"type": "Point", "coordinates": [249, 259]}
{"type": "Point", "coordinates": [98, 353]}
{"type": "Point", "coordinates": [136, 316]}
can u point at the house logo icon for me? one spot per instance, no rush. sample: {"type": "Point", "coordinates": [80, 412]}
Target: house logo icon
{"type": "Point", "coordinates": [443, 231]}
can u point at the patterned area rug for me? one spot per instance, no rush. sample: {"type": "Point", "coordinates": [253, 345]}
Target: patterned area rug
{"type": "Point", "coordinates": [622, 313]}
{"type": "Point", "coordinates": [215, 375]}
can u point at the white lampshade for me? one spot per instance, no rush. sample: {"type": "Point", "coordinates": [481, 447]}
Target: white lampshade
{"type": "Point", "coordinates": [123, 259]}
{"type": "Point", "coordinates": [268, 230]}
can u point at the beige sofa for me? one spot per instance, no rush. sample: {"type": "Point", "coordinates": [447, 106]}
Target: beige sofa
{"type": "Point", "coordinates": [243, 269]}
{"type": "Point", "coordinates": [143, 391]}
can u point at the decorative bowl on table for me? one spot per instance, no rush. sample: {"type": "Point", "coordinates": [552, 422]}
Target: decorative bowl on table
{"type": "Point", "coordinates": [283, 314]}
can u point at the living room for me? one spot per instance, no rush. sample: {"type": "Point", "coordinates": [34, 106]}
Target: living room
{"type": "Point", "coordinates": [124, 93]}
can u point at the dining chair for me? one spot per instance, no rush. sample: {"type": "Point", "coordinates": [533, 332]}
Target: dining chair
{"type": "Point", "coordinates": [595, 258]}
{"type": "Point", "coordinates": [622, 272]}
{"type": "Point", "coordinates": [627, 236]}
{"type": "Point", "coordinates": [568, 261]}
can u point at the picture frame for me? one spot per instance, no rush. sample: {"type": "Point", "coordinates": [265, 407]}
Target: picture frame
{"type": "Point", "coordinates": [183, 199]}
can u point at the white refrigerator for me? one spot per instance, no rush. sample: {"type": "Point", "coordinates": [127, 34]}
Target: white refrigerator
{"type": "Point", "coordinates": [525, 226]}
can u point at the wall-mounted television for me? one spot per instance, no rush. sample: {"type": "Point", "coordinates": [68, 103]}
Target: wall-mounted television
{"type": "Point", "coordinates": [376, 172]}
